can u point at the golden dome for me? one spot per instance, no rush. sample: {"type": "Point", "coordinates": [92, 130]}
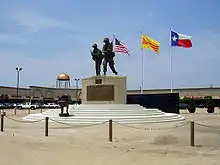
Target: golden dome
{"type": "Point", "coordinates": [63, 76]}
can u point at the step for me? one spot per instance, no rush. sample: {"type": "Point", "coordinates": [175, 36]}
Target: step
{"type": "Point", "coordinates": [98, 113]}
{"type": "Point", "coordinates": [104, 113]}
{"type": "Point", "coordinates": [109, 108]}
{"type": "Point", "coordinates": [104, 110]}
{"type": "Point", "coordinates": [83, 121]}
{"type": "Point", "coordinates": [102, 117]}
{"type": "Point", "coordinates": [113, 115]}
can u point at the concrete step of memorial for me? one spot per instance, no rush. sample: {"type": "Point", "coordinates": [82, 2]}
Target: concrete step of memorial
{"type": "Point", "coordinates": [101, 118]}
{"type": "Point", "coordinates": [125, 113]}
{"type": "Point", "coordinates": [106, 106]}
{"type": "Point", "coordinates": [104, 113]}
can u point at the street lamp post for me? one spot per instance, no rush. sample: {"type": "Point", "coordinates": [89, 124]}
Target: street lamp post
{"type": "Point", "coordinates": [18, 69]}
{"type": "Point", "coordinates": [77, 86]}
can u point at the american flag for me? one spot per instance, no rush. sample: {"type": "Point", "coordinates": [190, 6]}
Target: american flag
{"type": "Point", "coordinates": [120, 47]}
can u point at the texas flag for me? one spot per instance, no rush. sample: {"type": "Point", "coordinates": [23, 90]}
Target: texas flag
{"type": "Point", "coordinates": [180, 40]}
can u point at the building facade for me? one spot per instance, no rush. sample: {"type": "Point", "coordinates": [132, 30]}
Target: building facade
{"type": "Point", "coordinates": [63, 87]}
{"type": "Point", "coordinates": [37, 93]}
{"type": "Point", "coordinates": [184, 92]}
{"type": "Point", "coordinates": [52, 94]}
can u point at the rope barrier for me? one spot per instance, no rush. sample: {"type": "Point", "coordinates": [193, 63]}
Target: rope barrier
{"type": "Point", "coordinates": [165, 128]}
{"type": "Point", "coordinates": [74, 126]}
{"type": "Point", "coordinates": [192, 123]}
{"type": "Point", "coordinates": [125, 125]}
{"type": "Point", "coordinates": [23, 121]}
{"type": "Point", "coordinates": [207, 126]}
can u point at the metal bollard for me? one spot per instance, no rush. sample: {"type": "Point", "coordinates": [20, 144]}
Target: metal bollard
{"type": "Point", "coordinates": [15, 111]}
{"type": "Point", "coordinates": [29, 111]}
{"type": "Point", "coordinates": [2, 122]}
{"type": "Point", "coordinates": [110, 130]}
{"type": "Point", "coordinates": [46, 126]}
{"type": "Point", "coordinates": [192, 135]}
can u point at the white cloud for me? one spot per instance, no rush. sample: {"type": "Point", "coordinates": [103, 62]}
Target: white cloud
{"type": "Point", "coordinates": [14, 38]}
{"type": "Point", "coordinates": [30, 22]}
{"type": "Point", "coordinates": [36, 22]}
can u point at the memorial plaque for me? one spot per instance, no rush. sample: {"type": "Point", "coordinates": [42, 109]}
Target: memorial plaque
{"type": "Point", "coordinates": [100, 93]}
{"type": "Point", "coordinates": [98, 81]}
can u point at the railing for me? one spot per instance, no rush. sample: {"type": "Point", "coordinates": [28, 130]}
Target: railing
{"type": "Point", "coordinates": [110, 128]}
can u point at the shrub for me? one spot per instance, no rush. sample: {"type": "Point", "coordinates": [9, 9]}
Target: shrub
{"type": "Point", "coordinates": [210, 104]}
{"type": "Point", "coordinates": [192, 105]}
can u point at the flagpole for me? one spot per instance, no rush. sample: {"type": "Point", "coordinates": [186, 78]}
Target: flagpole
{"type": "Point", "coordinates": [171, 71]}
{"type": "Point", "coordinates": [113, 37]}
{"type": "Point", "coordinates": [142, 67]}
{"type": "Point", "coordinates": [171, 66]}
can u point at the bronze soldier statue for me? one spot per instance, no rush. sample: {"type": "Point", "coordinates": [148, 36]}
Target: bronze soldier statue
{"type": "Point", "coordinates": [97, 57]}
{"type": "Point", "coordinates": [109, 55]}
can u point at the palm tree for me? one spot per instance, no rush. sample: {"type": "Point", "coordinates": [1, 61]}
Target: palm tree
{"type": "Point", "coordinates": [192, 105]}
{"type": "Point", "coordinates": [210, 104]}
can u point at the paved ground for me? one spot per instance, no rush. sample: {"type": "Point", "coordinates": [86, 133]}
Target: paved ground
{"type": "Point", "coordinates": [25, 143]}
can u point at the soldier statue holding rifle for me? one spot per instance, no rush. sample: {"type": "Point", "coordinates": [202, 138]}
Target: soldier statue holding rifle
{"type": "Point", "coordinates": [97, 57]}
{"type": "Point", "coordinates": [109, 55]}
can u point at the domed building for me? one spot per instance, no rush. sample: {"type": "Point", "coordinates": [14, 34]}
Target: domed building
{"type": "Point", "coordinates": [63, 81]}
{"type": "Point", "coordinates": [63, 86]}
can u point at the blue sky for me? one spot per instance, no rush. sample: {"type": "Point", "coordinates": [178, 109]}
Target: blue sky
{"type": "Point", "coordinates": [48, 37]}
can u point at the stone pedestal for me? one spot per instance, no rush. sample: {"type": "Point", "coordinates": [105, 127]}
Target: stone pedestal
{"type": "Point", "coordinates": [104, 90]}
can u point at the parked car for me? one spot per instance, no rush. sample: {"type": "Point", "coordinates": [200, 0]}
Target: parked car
{"type": "Point", "coordinates": [8, 105]}
{"type": "Point", "coordinates": [50, 105]}
{"type": "Point", "coordinates": [27, 105]}
{"type": "Point", "coordinates": [183, 106]}
{"type": "Point", "coordinates": [1, 105]}
{"type": "Point", "coordinates": [201, 106]}
{"type": "Point", "coordinates": [39, 105]}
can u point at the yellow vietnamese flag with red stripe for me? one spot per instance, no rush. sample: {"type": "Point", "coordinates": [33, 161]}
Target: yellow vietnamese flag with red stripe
{"type": "Point", "coordinates": [149, 43]}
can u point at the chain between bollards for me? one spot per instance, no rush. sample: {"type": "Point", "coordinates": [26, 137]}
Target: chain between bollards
{"type": "Point", "coordinates": [46, 126]}
{"type": "Point", "coordinates": [192, 135]}
{"type": "Point", "coordinates": [110, 130]}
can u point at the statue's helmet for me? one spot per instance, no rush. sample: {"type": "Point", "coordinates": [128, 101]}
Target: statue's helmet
{"type": "Point", "coordinates": [94, 45]}
{"type": "Point", "coordinates": [106, 40]}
